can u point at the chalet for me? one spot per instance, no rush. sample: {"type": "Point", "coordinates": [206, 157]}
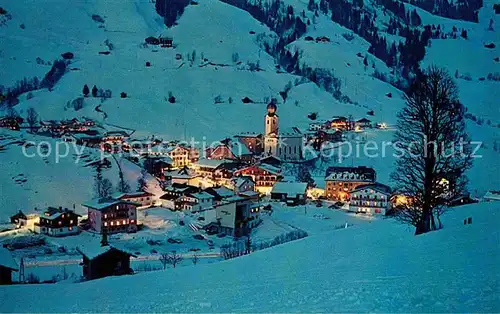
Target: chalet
{"type": "Point", "coordinates": [264, 175]}
{"type": "Point", "coordinates": [105, 260]}
{"type": "Point", "coordinates": [195, 202]}
{"type": "Point", "coordinates": [318, 125]}
{"type": "Point", "coordinates": [7, 266]}
{"type": "Point", "coordinates": [167, 42]}
{"type": "Point", "coordinates": [183, 155]}
{"type": "Point", "coordinates": [224, 173]}
{"type": "Point", "coordinates": [329, 135]}
{"type": "Point", "coordinates": [293, 193]}
{"type": "Point", "coordinates": [237, 215]}
{"type": "Point", "coordinates": [242, 184]}
{"type": "Point", "coordinates": [231, 149]}
{"type": "Point", "coordinates": [271, 160]}
{"type": "Point", "coordinates": [83, 139]}
{"type": "Point", "coordinates": [363, 123]}
{"type": "Point", "coordinates": [152, 40]}
{"type": "Point", "coordinates": [206, 167]}
{"type": "Point", "coordinates": [145, 199]}
{"type": "Point", "coordinates": [462, 200]}
{"type": "Point", "coordinates": [183, 175]}
{"type": "Point", "coordinates": [340, 181]}
{"type": "Point", "coordinates": [253, 141]}
{"type": "Point", "coordinates": [158, 166]}
{"type": "Point", "coordinates": [112, 216]}
{"type": "Point", "coordinates": [220, 193]}
{"type": "Point", "coordinates": [57, 222]}
{"type": "Point", "coordinates": [173, 197]}
{"type": "Point", "coordinates": [371, 199]}
{"type": "Point", "coordinates": [340, 123]}
{"type": "Point", "coordinates": [19, 219]}
{"type": "Point", "coordinates": [115, 137]}
{"type": "Point", "coordinates": [12, 123]}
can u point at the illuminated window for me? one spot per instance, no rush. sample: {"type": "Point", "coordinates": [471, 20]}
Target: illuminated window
{"type": "Point", "coordinates": [123, 222]}
{"type": "Point", "coordinates": [105, 216]}
{"type": "Point", "coordinates": [71, 221]}
{"type": "Point", "coordinates": [112, 223]}
{"type": "Point", "coordinates": [60, 223]}
{"type": "Point", "coordinates": [105, 224]}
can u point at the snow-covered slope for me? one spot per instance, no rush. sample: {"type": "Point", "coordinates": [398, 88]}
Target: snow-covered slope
{"type": "Point", "coordinates": [375, 267]}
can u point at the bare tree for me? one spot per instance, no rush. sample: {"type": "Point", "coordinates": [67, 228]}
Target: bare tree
{"type": "Point", "coordinates": [102, 187]}
{"type": "Point", "coordinates": [142, 182]}
{"type": "Point", "coordinates": [195, 258]}
{"type": "Point", "coordinates": [172, 258]}
{"type": "Point", "coordinates": [433, 149]}
{"type": "Point", "coordinates": [31, 118]}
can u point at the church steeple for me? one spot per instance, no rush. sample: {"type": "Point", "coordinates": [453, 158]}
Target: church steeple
{"type": "Point", "coordinates": [271, 119]}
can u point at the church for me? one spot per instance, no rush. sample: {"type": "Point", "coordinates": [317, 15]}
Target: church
{"type": "Point", "coordinates": [284, 144]}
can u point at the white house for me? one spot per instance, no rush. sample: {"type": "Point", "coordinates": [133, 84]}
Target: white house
{"type": "Point", "coordinates": [196, 202]}
{"type": "Point", "coordinates": [144, 199]}
{"type": "Point", "coordinates": [372, 199]}
{"type": "Point", "coordinates": [293, 193]}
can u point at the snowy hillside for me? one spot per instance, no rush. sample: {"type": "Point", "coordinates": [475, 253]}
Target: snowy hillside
{"type": "Point", "coordinates": [374, 267]}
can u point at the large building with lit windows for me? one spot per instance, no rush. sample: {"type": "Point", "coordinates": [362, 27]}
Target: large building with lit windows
{"type": "Point", "coordinates": [341, 181]}
{"type": "Point", "coordinates": [371, 199]}
{"type": "Point", "coordinates": [112, 216]}
{"type": "Point", "coordinates": [285, 144]}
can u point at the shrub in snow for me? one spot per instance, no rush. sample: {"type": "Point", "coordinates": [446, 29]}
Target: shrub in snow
{"type": "Point", "coordinates": [313, 116]}
{"type": "Point", "coordinates": [94, 91]}
{"type": "Point", "coordinates": [67, 55]}
{"type": "Point", "coordinates": [85, 90]}
{"type": "Point", "coordinates": [109, 44]}
{"type": "Point", "coordinates": [171, 98]}
{"type": "Point", "coordinates": [494, 76]}
{"type": "Point", "coordinates": [97, 18]}
{"type": "Point", "coordinates": [123, 95]}
{"type": "Point", "coordinates": [246, 100]}
{"type": "Point", "coordinates": [348, 36]}
{"type": "Point", "coordinates": [3, 11]}
{"type": "Point", "coordinates": [490, 46]}
{"type": "Point", "coordinates": [218, 99]}
{"type": "Point", "coordinates": [148, 64]}
{"type": "Point", "coordinates": [77, 103]}
{"type": "Point", "coordinates": [467, 77]}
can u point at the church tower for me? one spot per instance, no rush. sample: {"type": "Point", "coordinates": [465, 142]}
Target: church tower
{"type": "Point", "coordinates": [271, 118]}
{"type": "Point", "coordinates": [271, 131]}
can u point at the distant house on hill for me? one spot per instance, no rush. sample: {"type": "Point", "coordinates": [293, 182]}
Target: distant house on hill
{"type": "Point", "coordinates": [363, 123]}
{"type": "Point", "coordinates": [492, 196]}
{"type": "Point", "coordinates": [103, 261]}
{"type": "Point", "coordinates": [11, 123]}
{"type": "Point", "coordinates": [19, 219]}
{"type": "Point", "coordinates": [7, 266]}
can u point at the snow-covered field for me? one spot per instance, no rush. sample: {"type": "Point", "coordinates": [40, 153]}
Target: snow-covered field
{"type": "Point", "coordinates": [376, 267]}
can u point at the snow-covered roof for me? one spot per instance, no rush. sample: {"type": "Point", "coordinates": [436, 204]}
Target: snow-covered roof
{"type": "Point", "coordinates": [492, 196]}
{"type": "Point", "coordinates": [248, 134]}
{"type": "Point", "coordinates": [269, 168]}
{"type": "Point", "coordinates": [224, 192]}
{"type": "Point", "coordinates": [119, 195]}
{"type": "Point", "coordinates": [238, 148]}
{"type": "Point", "coordinates": [94, 249]}
{"type": "Point", "coordinates": [382, 188]}
{"type": "Point", "coordinates": [202, 195]}
{"type": "Point", "coordinates": [95, 204]}
{"type": "Point", "coordinates": [290, 132]}
{"type": "Point", "coordinates": [249, 193]}
{"type": "Point", "coordinates": [240, 180]}
{"type": "Point", "coordinates": [289, 188]}
{"type": "Point", "coordinates": [6, 259]}
{"type": "Point", "coordinates": [363, 174]}
{"type": "Point", "coordinates": [210, 163]}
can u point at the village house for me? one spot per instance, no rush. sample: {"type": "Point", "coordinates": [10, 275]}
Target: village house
{"type": "Point", "coordinates": [220, 193]}
{"type": "Point", "coordinates": [253, 141]}
{"type": "Point", "coordinates": [112, 216]}
{"type": "Point", "coordinates": [293, 193]}
{"type": "Point", "coordinates": [237, 215]}
{"type": "Point", "coordinates": [12, 123]}
{"type": "Point", "coordinates": [329, 135]}
{"type": "Point", "coordinates": [57, 222]}
{"type": "Point", "coordinates": [19, 219]}
{"type": "Point", "coordinates": [271, 160]}
{"type": "Point", "coordinates": [340, 181]}
{"type": "Point", "coordinates": [363, 123]}
{"type": "Point", "coordinates": [144, 199]}
{"type": "Point", "coordinates": [105, 260]}
{"type": "Point", "coordinates": [172, 199]}
{"type": "Point", "coordinates": [230, 149]}
{"type": "Point", "coordinates": [166, 42]}
{"type": "Point", "coordinates": [183, 175]}
{"type": "Point", "coordinates": [158, 166]}
{"type": "Point", "coordinates": [264, 176]}
{"type": "Point", "coordinates": [223, 174]}
{"type": "Point", "coordinates": [195, 202]}
{"type": "Point", "coordinates": [371, 199]}
{"type": "Point", "coordinates": [183, 155]}
{"type": "Point", "coordinates": [115, 137]}
{"type": "Point", "coordinates": [340, 123]}
{"type": "Point", "coordinates": [318, 125]}
{"type": "Point", "coordinates": [242, 184]}
{"type": "Point", "coordinates": [206, 167]}
{"type": "Point", "coordinates": [7, 266]}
